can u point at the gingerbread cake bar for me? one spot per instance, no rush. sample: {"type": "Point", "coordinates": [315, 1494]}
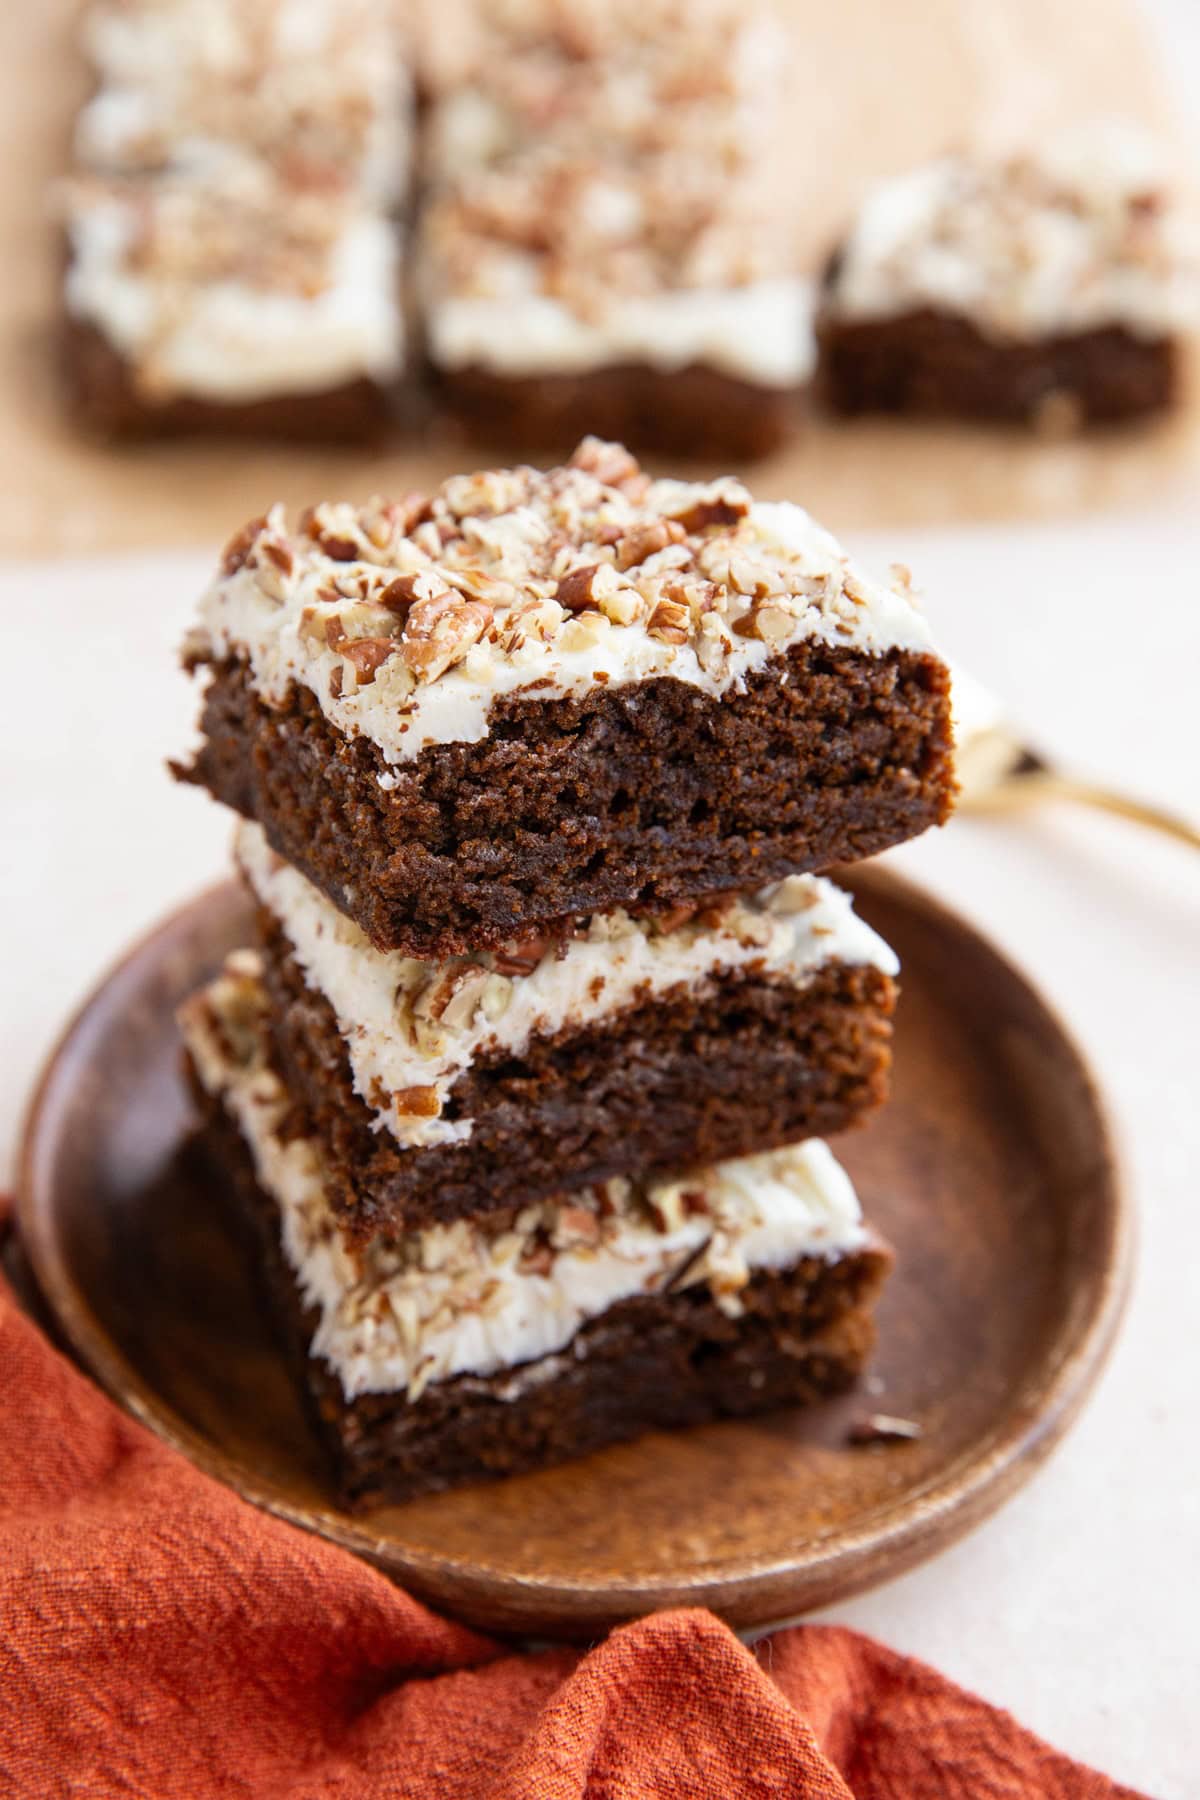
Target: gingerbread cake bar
{"type": "Point", "coordinates": [621, 1045]}
{"type": "Point", "coordinates": [607, 241]}
{"type": "Point", "coordinates": [461, 1352]}
{"type": "Point", "coordinates": [1049, 287]}
{"type": "Point", "coordinates": [232, 258]}
{"type": "Point", "coordinates": [537, 696]}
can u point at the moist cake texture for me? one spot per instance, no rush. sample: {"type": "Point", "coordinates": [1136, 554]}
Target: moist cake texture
{"type": "Point", "coordinates": [532, 696]}
{"type": "Point", "coordinates": [1014, 287]}
{"type": "Point", "coordinates": [623, 1047]}
{"type": "Point", "coordinates": [605, 195]}
{"type": "Point", "coordinates": [461, 1351]}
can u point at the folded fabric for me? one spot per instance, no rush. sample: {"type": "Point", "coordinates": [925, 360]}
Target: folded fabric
{"type": "Point", "coordinates": [160, 1637]}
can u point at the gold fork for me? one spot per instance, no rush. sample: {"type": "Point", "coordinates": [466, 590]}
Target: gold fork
{"type": "Point", "coordinates": [999, 772]}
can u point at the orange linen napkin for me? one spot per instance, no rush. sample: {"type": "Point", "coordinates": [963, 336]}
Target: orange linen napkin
{"type": "Point", "coordinates": [161, 1638]}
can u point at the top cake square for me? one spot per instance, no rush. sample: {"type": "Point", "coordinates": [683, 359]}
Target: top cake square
{"type": "Point", "coordinates": [536, 695]}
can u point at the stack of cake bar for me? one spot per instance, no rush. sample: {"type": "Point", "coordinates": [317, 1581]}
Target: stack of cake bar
{"type": "Point", "coordinates": [524, 1081]}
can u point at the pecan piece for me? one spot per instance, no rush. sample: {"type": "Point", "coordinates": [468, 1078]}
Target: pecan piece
{"type": "Point", "coordinates": [416, 1103]}
{"type": "Point", "coordinates": [523, 955]}
{"type": "Point", "coordinates": [670, 622]}
{"type": "Point", "coordinates": [588, 587]}
{"type": "Point", "coordinates": [337, 545]}
{"type": "Point", "coordinates": [579, 1222]}
{"type": "Point", "coordinates": [385, 518]}
{"type": "Point", "coordinates": [771, 624]}
{"type": "Point", "coordinates": [439, 631]}
{"type": "Point", "coordinates": [646, 540]}
{"type": "Point", "coordinates": [611, 464]}
{"type": "Point", "coordinates": [237, 551]}
{"type": "Point", "coordinates": [279, 554]}
{"type": "Point", "coordinates": [368, 654]}
{"type": "Point", "coordinates": [538, 1259]}
{"type": "Point", "coordinates": [721, 506]}
{"type": "Point", "coordinates": [401, 595]}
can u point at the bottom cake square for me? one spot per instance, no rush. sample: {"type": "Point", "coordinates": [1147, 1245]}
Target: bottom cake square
{"type": "Point", "coordinates": [506, 1343]}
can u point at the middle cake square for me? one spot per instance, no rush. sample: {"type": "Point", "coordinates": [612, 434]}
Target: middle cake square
{"type": "Point", "coordinates": [617, 1046]}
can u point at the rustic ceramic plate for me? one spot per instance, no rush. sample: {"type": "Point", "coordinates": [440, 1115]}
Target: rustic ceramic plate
{"type": "Point", "coordinates": [991, 1172]}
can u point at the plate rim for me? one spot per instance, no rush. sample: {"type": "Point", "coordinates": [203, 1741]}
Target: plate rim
{"type": "Point", "coordinates": [885, 1543]}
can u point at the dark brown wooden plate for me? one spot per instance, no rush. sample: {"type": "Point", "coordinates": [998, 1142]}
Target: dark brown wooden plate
{"type": "Point", "coordinates": [992, 1173]}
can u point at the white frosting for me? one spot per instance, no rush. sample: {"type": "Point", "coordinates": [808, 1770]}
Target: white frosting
{"type": "Point", "coordinates": [452, 1300]}
{"type": "Point", "coordinates": [224, 339]}
{"type": "Point", "coordinates": [788, 931]}
{"type": "Point", "coordinates": [762, 332]}
{"type": "Point", "coordinates": [124, 130]}
{"type": "Point", "coordinates": [821, 597]}
{"type": "Point", "coordinates": [144, 43]}
{"type": "Point", "coordinates": [1076, 237]}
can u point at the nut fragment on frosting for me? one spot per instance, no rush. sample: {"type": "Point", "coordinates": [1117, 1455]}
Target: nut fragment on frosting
{"type": "Point", "coordinates": [538, 583]}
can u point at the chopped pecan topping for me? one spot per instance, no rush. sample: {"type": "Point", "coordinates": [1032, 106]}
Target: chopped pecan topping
{"type": "Point", "coordinates": [386, 519]}
{"type": "Point", "coordinates": [588, 587]}
{"type": "Point", "coordinates": [417, 1103]}
{"type": "Point", "coordinates": [612, 464]}
{"type": "Point", "coordinates": [774, 623]}
{"type": "Point", "coordinates": [523, 955]}
{"type": "Point", "coordinates": [520, 567]}
{"type": "Point", "coordinates": [646, 540]}
{"type": "Point", "coordinates": [454, 996]}
{"type": "Point", "coordinates": [368, 654]}
{"type": "Point", "coordinates": [337, 545]}
{"type": "Point", "coordinates": [401, 595]}
{"type": "Point", "coordinates": [579, 1222]}
{"type": "Point", "coordinates": [279, 554]}
{"type": "Point", "coordinates": [237, 551]}
{"type": "Point", "coordinates": [438, 633]}
{"type": "Point", "coordinates": [537, 1259]}
{"type": "Point", "coordinates": [724, 508]}
{"type": "Point", "coordinates": [670, 622]}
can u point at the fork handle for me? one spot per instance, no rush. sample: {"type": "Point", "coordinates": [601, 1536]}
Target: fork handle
{"type": "Point", "coordinates": [1034, 786]}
